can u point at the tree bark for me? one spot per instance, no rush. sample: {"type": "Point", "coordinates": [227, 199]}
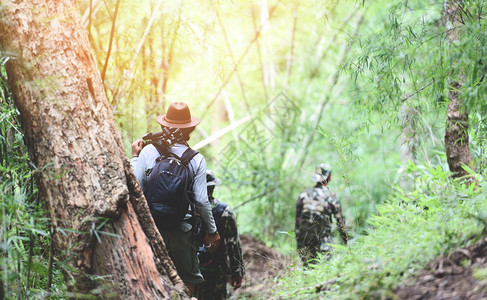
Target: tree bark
{"type": "Point", "coordinates": [83, 174]}
{"type": "Point", "coordinates": [456, 133]}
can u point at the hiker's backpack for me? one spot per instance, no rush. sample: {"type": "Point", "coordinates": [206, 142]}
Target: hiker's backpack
{"type": "Point", "coordinates": [217, 213]}
{"type": "Point", "coordinates": [315, 217]}
{"type": "Point", "coordinates": [170, 188]}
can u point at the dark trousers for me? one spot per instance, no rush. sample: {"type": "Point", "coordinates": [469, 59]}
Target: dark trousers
{"type": "Point", "coordinates": [214, 287]}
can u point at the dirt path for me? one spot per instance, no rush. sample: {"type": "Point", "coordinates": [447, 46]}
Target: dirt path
{"type": "Point", "coordinates": [262, 265]}
{"type": "Point", "coordinates": [461, 275]}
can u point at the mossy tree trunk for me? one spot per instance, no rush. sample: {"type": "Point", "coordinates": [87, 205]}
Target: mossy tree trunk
{"type": "Point", "coordinates": [104, 228]}
{"type": "Point", "coordinates": [456, 133]}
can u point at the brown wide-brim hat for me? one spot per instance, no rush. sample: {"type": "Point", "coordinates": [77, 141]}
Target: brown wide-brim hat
{"type": "Point", "coordinates": [178, 116]}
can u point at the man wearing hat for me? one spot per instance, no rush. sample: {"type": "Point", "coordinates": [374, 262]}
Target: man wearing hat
{"type": "Point", "coordinates": [226, 263]}
{"type": "Point", "coordinates": [314, 211]}
{"type": "Point", "coordinates": [177, 124]}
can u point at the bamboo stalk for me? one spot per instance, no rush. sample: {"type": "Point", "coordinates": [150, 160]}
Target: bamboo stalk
{"type": "Point", "coordinates": [3, 232]}
{"type": "Point", "coordinates": [29, 264]}
{"type": "Point", "coordinates": [19, 280]}
{"type": "Point", "coordinates": [50, 264]}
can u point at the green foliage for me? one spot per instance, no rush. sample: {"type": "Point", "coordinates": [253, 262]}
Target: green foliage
{"type": "Point", "coordinates": [24, 231]}
{"type": "Point", "coordinates": [478, 141]}
{"type": "Point", "coordinates": [409, 230]}
{"type": "Point", "coordinates": [407, 58]}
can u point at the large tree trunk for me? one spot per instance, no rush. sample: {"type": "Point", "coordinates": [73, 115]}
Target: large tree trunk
{"type": "Point", "coordinates": [84, 176]}
{"type": "Point", "coordinates": [456, 133]}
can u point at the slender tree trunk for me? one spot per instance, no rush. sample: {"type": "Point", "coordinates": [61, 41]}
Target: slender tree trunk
{"type": "Point", "coordinates": [255, 11]}
{"type": "Point", "coordinates": [409, 142]}
{"type": "Point", "coordinates": [290, 56]}
{"type": "Point", "coordinates": [267, 51]}
{"type": "Point", "coordinates": [456, 133]}
{"type": "Point", "coordinates": [83, 174]}
{"type": "Point", "coordinates": [408, 138]}
{"type": "Point", "coordinates": [150, 66]}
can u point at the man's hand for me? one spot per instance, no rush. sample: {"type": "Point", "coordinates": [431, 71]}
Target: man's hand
{"type": "Point", "coordinates": [137, 147]}
{"type": "Point", "coordinates": [212, 241]}
{"type": "Point", "coordinates": [236, 282]}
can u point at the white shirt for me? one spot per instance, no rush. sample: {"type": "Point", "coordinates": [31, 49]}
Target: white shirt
{"type": "Point", "coordinates": [147, 160]}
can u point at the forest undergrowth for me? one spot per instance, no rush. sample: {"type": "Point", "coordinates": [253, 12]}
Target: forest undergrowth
{"type": "Point", "coordinates": [410, 229]}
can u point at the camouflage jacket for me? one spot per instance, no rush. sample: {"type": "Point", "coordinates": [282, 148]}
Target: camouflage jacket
{"type": "Point", "coordinates": [228, 256]}
{"type": "Point", "coordinates": [314, 210]}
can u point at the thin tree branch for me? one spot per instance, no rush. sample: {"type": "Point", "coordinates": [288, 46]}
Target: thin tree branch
{"type": "Point", "coordinates": [261, 62]}
{"type": "Point", "coordinates": [253, 198]}
{"type": "Point", "coordinates": [112, 33]}
{"type": "Point", "coordinates": [418, 91]}
{"type": "Point", "coordinates": [108, 9]}
{"type": "Point", "coordinates": [91, 11]}
{"type": "Point", "coordinates": [291, 51]}
{"type": "Point", "coordinates": [230, 52]}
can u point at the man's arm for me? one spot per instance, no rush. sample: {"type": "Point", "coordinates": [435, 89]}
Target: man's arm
{"type": "Point", "coordinates": [342, 229]}
{"type": "Point", "coordinates": [138, 162]}
{"type": "Point", "coordinates": [203, 206]}
{"type": "Point", "coordinates": [299, 211]}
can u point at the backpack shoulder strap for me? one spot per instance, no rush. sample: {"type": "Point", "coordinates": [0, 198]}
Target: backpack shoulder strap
{"type": "Point", "coordinates": [218, 211]}
{"type": "Point", "coordinates": [188, 155]}
{"type": "Point", "coordinates": [217, 214]}
{"type": "Point", "coordinates": [163, 151]}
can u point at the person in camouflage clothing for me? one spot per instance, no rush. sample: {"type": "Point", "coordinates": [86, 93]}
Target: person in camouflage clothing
{"type": "Point", "coordinates": [226, 263]}
{"type": "Point", "coordinates": [314, 210]}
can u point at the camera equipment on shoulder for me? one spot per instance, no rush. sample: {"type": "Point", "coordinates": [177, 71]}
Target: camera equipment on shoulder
{"type": "Point", "coordinates": [151, 138]}
{"type": "Point", "coordinates": [157, 140]}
